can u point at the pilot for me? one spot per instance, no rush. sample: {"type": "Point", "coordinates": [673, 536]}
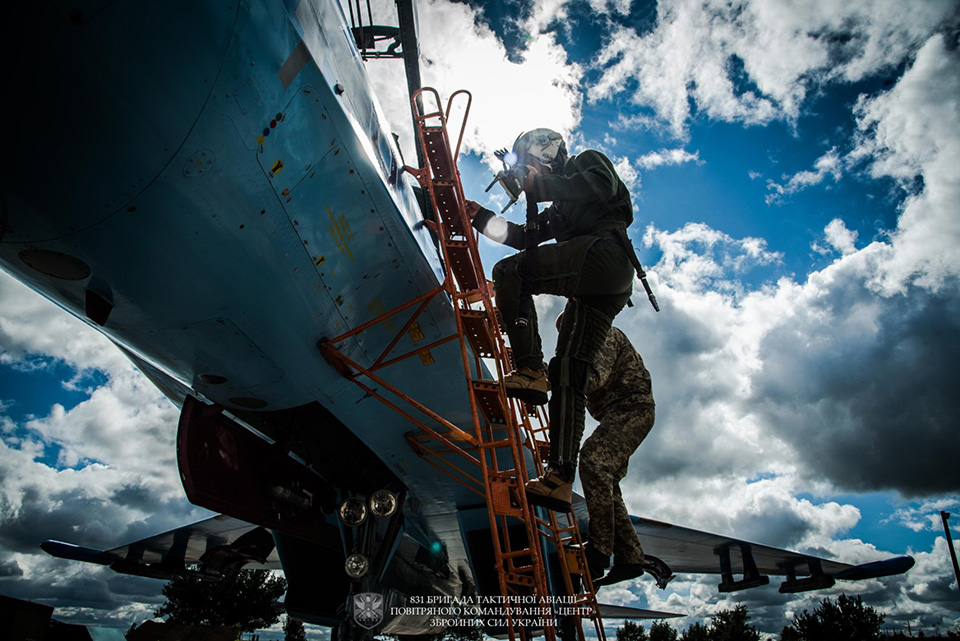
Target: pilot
{"type": "Point", "coordinates": [592, 264]}
{"type": "Point", "coordinates": [620, 397]}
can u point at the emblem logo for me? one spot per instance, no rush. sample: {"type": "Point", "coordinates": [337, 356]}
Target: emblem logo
{"type": "Point", "coordinates": [367, 609]}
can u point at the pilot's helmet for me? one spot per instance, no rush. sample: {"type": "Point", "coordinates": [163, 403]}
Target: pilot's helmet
{"type": "Point", "coordinates": [545, 145]}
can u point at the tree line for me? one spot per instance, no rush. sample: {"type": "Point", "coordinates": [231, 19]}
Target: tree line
{"type": "Point", "coordinates": [249, 600]}
{"type": "Point", "coordinates": [843, 619]}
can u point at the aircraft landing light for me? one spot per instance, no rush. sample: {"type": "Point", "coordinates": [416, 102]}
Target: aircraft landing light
{"type": "Point", "coordinates": [356, 566]}
{"type": "Point", "coordinates": [383, 503]}
{"type": "Point", "coordinates": [353, 512]}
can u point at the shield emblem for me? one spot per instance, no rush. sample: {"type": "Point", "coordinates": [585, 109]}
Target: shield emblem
{"type": "Point", "coordinates": [367, 609]}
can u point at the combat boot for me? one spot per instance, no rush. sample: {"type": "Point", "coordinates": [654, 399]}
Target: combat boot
{"type": "Point", "coordinates": [659, 570]}
{"type": "Point", "coordinates": [597, 562]}
{"type": "Point", "coordinates": [550, 491]}
{"type": "Point", "coordinates": [618, 573]}
{"type": "Point", "coordinates": [626, 571]}
{"type": "Point", "coordinates": [528, 385]}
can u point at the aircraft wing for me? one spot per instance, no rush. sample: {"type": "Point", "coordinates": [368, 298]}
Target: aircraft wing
{"type": "Point", "coordinates": [204, 548]}
{"type": "Point", "coordinates": [625, 612]}
{"type": "Point", "coordinates": [686, 550]}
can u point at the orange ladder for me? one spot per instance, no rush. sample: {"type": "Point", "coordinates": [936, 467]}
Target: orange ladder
{"type": "Point", "coordinates": [507, 436]}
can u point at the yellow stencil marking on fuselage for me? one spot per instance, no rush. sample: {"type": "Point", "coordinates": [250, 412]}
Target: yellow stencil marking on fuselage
{"type": "Point", "coordinates": [427, 357]}
{"type": "Point", "coordinates": [341, 233]}
{"type": "Point", "coordinates": [416, 334]}
{"type": "Point", "coordinates": [376, 308]}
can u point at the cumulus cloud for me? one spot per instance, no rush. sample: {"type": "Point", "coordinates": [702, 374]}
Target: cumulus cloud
{"type": "Point", "coordinates": [663, 157]}
{"type": "Point", "coordinates": [697, 258]}
{"type": "Point", "coordinates": [756, 62]}
{"type": "Point", "coordinates": [848, 369]}
{"type": "Point", "coordinates": [821, 384]}
{"type": "Point", "coordinates": [830, 164]}
{"type": "Point", "coordinates": [926, 516]}
{"type": "Point", "coordinates": [839, 238]}
{"type": "Point", "coordinates": [628, 173]}
{"type": "Point", "coordinates": [909, 134]}
{"type": "Point", "coordinates": [541, 90]}
{"type": "Point", "coordinates": [101, 473]}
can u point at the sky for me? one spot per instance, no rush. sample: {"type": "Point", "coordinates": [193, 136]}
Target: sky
{"type": "Point", "coordinates": [795, 173]}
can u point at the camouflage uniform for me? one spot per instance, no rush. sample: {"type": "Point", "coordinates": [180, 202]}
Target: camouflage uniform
{"type": "Point", "coordinates": [590, 264]}
{"type": "Point", "coordinates": [619, 395]}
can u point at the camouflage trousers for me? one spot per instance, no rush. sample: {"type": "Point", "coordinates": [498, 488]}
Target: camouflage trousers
{"type": "Point", "coordinates": [603, 464]}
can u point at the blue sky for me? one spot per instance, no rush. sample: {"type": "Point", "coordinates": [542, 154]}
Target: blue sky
{"type": "Point", "coordinates": [795, 170]}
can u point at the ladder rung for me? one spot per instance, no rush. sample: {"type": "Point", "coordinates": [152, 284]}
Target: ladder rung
{"type": "Point", "coordinates": [492, 445]}
{"type": "Point", "coordinates": [518, 579]}
{"type": "Point", "coordinates": [478, 331]}
{"type": "Point", "coordinates": [461, 264]}
{"type": "Point", "coordinates": [514, 554]}
{"type": "Point", "coordinates": [543, 448]}
{"type": "Point", "coordinates": [574, 561]}
{"type": "Point", "coordinates": [449, 207]}
{"type": "Point", "coordinates": [489, 400]}
{"type": "Point", "coordinates": [504, 495]}
{"type": "Point", "coordinates": [511, 363]}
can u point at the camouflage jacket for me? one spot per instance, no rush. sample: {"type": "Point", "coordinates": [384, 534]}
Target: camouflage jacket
{"type": "Point", "coordinates": [619, 376]}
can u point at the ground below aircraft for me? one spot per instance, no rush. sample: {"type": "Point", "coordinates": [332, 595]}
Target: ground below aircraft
{"type": "Point", "coordinates": [213, 187]}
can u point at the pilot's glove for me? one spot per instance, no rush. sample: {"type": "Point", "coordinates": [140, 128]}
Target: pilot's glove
{"type": "Point", "coordinates": [472, 207]}
{"type": "Point", "coordinates": [525, 174]}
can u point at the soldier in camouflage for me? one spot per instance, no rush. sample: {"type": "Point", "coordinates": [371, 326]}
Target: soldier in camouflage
{"type": "Point", "coordinates": [620, 397]}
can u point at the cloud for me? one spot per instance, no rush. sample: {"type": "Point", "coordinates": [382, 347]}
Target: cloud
{"type": "Point", "coordinates": [628, 174]}
{"type": "Point", "coordinates": [830, 164]}
{"type": "Point", "coordinates": [839, 238]}
{"type": "Point", "coordinates": [868, 355]}
{"type": "Point", "coordinates": [96, 505]}
{"type": "Point", "coordinates": [697, 258]}
{"type": "Point", "coordinates": [663, 157]}
{"type": "Point", "coordinates": [926, 516]}
{"type": "Point", "coordinates": [854, 380]}
{"type": "Point", "coordinates": [921, 597]}
{"type": "Point", "coordinates": [910, 134]}
{"type": "Point", "coordinates": [543, 90]}
{"type": "Point", "coordinates": [111, 479]}
{"type": "Point", "coordinates": [835, 377]}
{"type": "Point", "coordinates": [32, 330]}
{"type": "Point", "coordinates": [756, 62]}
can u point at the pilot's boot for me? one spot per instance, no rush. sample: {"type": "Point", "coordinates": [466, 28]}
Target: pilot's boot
{"type": "Point", "coordinates": [551, 491]}
{"type": "Point", "coordinates": [618, 573]}
{"type": "Point", "coordinates": [626, 571]}
{"type": "Point", "coordinates": [527, 384]}
{"type": "Point", "coordinates": [659, 570]}
{"type": "Point", "coordinates": [597, 563]}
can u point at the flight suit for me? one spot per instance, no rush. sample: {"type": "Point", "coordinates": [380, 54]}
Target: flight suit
{"type": "Point", "coordinates": [620, 396]}
{"type": "Point", "coordinates": [591, 264]}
